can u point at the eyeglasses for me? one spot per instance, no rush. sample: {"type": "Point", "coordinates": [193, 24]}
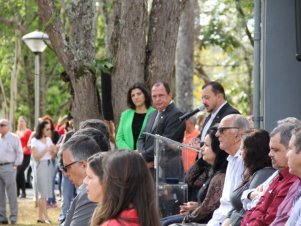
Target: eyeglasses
{"type": "Point", "coordinates": [66, 167]}
{"type": "Point", "coordinates": [221, 130]}
{"type": "Point", "coordinates": [3, 125]}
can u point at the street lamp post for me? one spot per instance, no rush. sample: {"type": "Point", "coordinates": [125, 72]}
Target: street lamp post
{"type": "Point", "coordinates": [36, 43]}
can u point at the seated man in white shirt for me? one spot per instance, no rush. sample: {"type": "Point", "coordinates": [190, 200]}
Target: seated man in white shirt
{"type": "Point", "coordinates": [230, 132]}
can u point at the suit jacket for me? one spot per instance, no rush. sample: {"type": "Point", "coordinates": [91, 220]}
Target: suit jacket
{"type": "Point", "coordinates": [81, 209]}
{"type": "Point", "coordinates": [168, 126]}
{"type": "Point", "coordinates": [227, 109]}
{"type": "Point", "coordinates": [124, 136]}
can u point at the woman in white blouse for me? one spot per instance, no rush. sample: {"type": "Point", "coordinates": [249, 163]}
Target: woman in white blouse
{"type": "Point", "coordinates": [42, 151]}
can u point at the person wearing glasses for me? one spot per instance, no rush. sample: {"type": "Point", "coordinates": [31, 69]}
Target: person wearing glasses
{"type": "Point", "coordinates": [11, 155]}
{"type": "Point", "coordinates": [42, 151]}
{"type": "Point", "coordinates": [214, 99]}
{"type": "Point", "coordinates": [75, 153]}
{"type": "Point", "coordinates": [229, 133]}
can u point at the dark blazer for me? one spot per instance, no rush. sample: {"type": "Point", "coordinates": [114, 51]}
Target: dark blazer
{"type": "Point", "coordinates": [81, 209]}
{"type": "Point", "coordinates": [168, 126]}
{"type": "Point", "coordinates": [227, 109]}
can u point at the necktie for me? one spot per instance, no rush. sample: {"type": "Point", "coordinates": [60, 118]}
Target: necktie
{"type": "Point", "coordinates": [156, 122]}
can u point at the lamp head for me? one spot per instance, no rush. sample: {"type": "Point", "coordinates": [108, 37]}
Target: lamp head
{"type": "Point", "coordinates": [36, 41]}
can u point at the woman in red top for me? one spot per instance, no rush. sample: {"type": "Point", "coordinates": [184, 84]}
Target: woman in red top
{"type": "Point", "coordinates": [123, 186]}
{"type": "Point", "coordinates": [24, 133]}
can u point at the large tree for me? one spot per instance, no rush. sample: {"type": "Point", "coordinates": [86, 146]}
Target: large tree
{"type": "Point", "coordinates": [75, 50]}
{"type": "Point", "coordinates": [142, 47]}
{"type": "Point", "coordinates": [143, 44]}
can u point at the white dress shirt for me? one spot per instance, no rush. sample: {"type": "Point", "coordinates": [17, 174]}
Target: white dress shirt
{"type": "Point", "coordinates": [233, 178]}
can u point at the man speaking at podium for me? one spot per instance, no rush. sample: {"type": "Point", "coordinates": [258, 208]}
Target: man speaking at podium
{"type": "Point", "coordinates": [214, 99]}
{"type": "Point", "coordinates": [164, 121]}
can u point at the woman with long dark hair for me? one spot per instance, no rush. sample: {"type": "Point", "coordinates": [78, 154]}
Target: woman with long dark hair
{"type": "Point", "coordinates": [42, 151]}
{"type": "Point", "coordinates": [211, 191]}
{"type": "Point", "coordinates": [133, 120]}
{"type": "Point", "coordinates": [124, 188]}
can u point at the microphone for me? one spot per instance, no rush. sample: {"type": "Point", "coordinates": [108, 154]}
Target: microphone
{"type": "Point", "coordinates": [188, 114]}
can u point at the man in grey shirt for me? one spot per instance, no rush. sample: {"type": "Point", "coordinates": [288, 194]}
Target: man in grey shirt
{"type": "Point", "coordinates": [11, 155]}
{"type": "Point", "coordinates": [75, 153]}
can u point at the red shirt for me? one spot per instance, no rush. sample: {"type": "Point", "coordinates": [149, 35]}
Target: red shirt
{"type": "Point", "coordinates": [265, 211]}
{"type": "Point", "coordinates": [24, 141]}
{"type": "Point", "coordinates": [127, 218]}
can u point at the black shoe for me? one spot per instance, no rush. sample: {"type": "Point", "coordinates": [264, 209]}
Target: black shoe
{"type": "Point", "coordinates": [13, 222]}
{"type": "Point", "coordinates": [3, 222]}
{"type": "Point", "coordinates": [22, 196]}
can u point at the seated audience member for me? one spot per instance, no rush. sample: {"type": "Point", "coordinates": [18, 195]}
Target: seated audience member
{"type": "Point", "coordinates": [75, 153]}
{"type": "Point", "coordinates": [286, 211]}
{"type": "Point", "coordinates": [265, 211]}
{"type": "Point", "coordinates": [229, 133]}
{"type": "Point", "coordinates": [125, 194]}
{"type": "Point", "coordinates": [98, 136]}
{"type": "Point", "coordinates": [211, 191]}
{"type": "Point", "coordinates": [196, 177]}
{"type": "Point", "coordinates": [258, 167]}
{"type": "Point", "coordinates": [96, 124]}
{"type": "Point", "coordinates": [250, 197]}
{"type": "Point", "coordinates": [189, 156]}
{"type": "Point", "coordinates": [68, 189]}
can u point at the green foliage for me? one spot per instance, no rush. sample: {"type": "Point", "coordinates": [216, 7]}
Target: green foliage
{"type": "Point", "coordinates": [103, 65]}
{"type": "Point", "coordinates": [224, 47]}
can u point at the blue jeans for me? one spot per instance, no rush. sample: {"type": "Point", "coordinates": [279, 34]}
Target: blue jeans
{"type": "Point", "coordinates": [68, 192]}
{"type": "Point", "coordinates": [171, 219]}
{"type": "Point", "coordinates": [52, 200]}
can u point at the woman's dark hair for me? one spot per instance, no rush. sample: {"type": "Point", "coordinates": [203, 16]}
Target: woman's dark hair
{"type": "Point", "coordinates": [220, 163]}
{"type": "Point", "coordinates": [255, 145]}
{"type": "Point", "coordinates": [127, 183]}
{"type": "Point", "coordinates": [144, 90]}
{"type": "Point", "coordinates": [48, 118]}
{"type": "Point", "coordinates": [39, 129]}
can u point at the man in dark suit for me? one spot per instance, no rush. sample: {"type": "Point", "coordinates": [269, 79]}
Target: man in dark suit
{"type": "Point", "coordinates": [75, 153]}
{"type": "Point", "coordinates": [214, 99]}
{"type": "Point", "coordinates": [165, 122]}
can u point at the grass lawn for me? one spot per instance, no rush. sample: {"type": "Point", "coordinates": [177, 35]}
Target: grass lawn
{"type": "Point", "coordinates": [28, 213]}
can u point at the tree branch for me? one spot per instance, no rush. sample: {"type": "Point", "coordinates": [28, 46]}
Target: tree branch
{"type": "Point", "coordinates": [13, 23]}
{"type": "Point", "coordinates": [243, 17]}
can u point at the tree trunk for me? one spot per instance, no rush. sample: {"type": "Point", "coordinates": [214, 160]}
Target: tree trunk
{"type": "Point", "coordinates": [4, 105]}
{"type": "Point", "coordinates": [76, 52]}
{"type": "Point", "coordinates": [184, 58]}
{"type": "Point", "coordinates": [14, 81]}
{"type": "Point", "coordinates": [162, 38]}
{"type": "Point", "coordinates": [128, 42]}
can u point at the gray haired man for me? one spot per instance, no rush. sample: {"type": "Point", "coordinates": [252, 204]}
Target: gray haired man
{"type": "Point", "coordinates": [11, 155]}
